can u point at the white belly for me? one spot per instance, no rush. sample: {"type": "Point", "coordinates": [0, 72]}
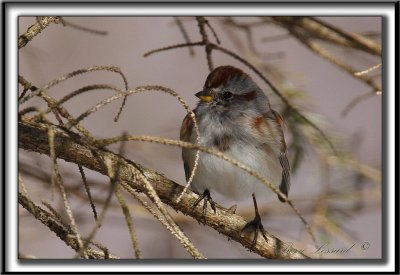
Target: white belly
{"type": "Point", "coordinates": [218, 175]}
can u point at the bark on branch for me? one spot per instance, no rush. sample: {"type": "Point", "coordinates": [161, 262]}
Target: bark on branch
{"type": "Point", "coordinates": [35, 29]}
{"type": "Point", "coordinates": [65, 234]}
{"type": "Point", "coordinates": [34, 137]}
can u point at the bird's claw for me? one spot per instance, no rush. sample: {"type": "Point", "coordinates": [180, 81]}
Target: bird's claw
{"type": "Point", "coordinates": [207, 198]}
{"type": "Point", "coordinates": [255, 226]}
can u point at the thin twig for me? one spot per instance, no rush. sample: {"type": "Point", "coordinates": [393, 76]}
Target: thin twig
{"type": "Point", "coordinates": [25, 191]}
{"type": "Point", "coordinates": [212, 31]}
{"type": "Point", "coordinates": [331, 58]}
{"type": "Point", "coordinates": [177, 46]}
{"type": "Point", "coordinates": [36, 28]}
{"type": "Point", "coordinates": [306, 29]}
{"type": "Point", "coordinates": [184, 33]}
{"type": "Point", "coordinates": [26, 85]}
{"type": "Point", "coordinates": [157, 214]}
{"type": "Point", "coordinates": [56, 177]}
{"type": "Point", "coordinates": [114, 177]}
{"type": "Point", "coordinates": [202, 22]}
{"type": "Point", "coordinates": [89, 194]}
{"type": "Point", "coordinates": [368, 70]}
{"type": "Point", "coordinates": [356, 40]}
{"type": "Point", "coordinates": [55, 105]}
{"type": "Point", "coordinates": [129, 222]}
{"type": "Point", "coordinates": [63, 112]}
{"type": "Point", "coordinates": [56, 215]}
{"type": "Point", "coordinates": [63, 233]}
{"type": "Point", "coordinates": [99, 221]}
{"type": "Point", "coordinates": [355, 101]}
{"type": "Point", "coordinates": [247, 28]}
{"type": "Point", "coordinates": [73, 74]}
{"type": "Point", "coordinates": [152, 194]}
{"type": "Point", "coordinates": [83, 28]}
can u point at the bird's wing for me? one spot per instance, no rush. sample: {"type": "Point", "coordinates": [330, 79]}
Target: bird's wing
{"type": "Point", "coordinates": [285, 182]}
{"type": "Point", "coordinates": [185, 135]}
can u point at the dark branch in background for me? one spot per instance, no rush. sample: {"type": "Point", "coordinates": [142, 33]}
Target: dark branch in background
{"type": "Point", "coordinates": [89, 194]}
{"type": "Point", "coordinates": [247, 28]}
{"type": "Point", "coordinates": [184, 33]}
{"type": "Point", "coordinates": [353, 40]}
{"type": "Point", "coordinates": [172, 47]}
{"type": "Point", "coordinates": [355, 101]}
{"type": "Point", "coordinates": [308, 29]}
{"type": "Point", "coordinates": [82, 28]}
{"type": "Point", "coordinates": [76, 151]}
{"type": "Point", "coordinates": [208, 46]}
{"type": "Point", "coordinates": [106, 205]}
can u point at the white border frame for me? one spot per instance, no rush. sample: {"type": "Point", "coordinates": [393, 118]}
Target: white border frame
{"type": "Point", "coordinates": [320, 9]}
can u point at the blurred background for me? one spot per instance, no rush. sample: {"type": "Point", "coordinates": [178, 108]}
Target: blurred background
{"type": "Point", "coordinates": [340, 200]}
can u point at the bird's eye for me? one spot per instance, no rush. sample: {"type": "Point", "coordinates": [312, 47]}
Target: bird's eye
{"type": "Point", "coordinates": [227, 95]}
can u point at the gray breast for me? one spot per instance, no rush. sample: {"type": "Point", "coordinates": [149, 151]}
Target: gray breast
{"type": "Point", "coordinates": [222, 130]}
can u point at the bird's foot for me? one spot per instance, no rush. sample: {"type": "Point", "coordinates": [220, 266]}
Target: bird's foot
{"type": "Point", "coordinates": [255, 225]}
{"type": "Point", "coordinates": [207, 198]}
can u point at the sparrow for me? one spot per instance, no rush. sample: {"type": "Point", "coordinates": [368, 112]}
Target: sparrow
{"type": "Point", "coordinates": [235, 117]}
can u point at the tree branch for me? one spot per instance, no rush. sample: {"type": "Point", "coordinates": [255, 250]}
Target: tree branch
{"type": "Point", "coordinates": [37, 28]}
{"type": "Point", "coordinates": [33, 137]}
{"type": "Point", "coordinates": [65, 234]}
{"type": "Point", "coordinates": [315, 28]}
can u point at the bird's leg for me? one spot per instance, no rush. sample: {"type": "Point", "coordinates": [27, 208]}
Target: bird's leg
{"type": "Point", "coordinates": [255, 225]}
{"type": "Point", "coordinates": [207, 198]}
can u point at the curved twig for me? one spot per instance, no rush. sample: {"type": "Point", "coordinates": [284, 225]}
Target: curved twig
{"type": "Point", "coordinates": [355, 101]}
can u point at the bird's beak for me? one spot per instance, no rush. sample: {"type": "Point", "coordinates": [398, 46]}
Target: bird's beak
{"type": "Point", "coordinates": [205, 96]}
